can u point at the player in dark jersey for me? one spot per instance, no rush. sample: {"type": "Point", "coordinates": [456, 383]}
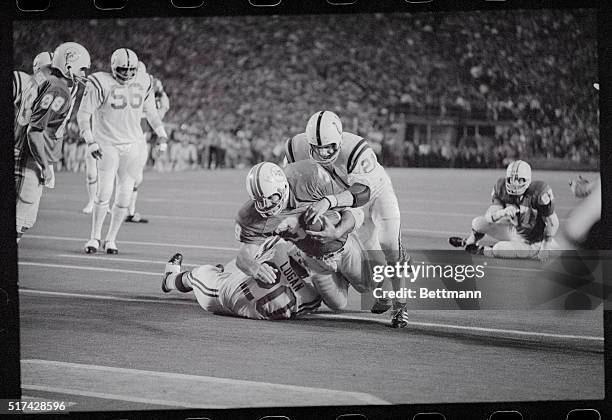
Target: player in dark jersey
{"type": "Point", "coordinates": [38, 145]}
{"type": "Point", "coordinates": [275, 195]}
{"type": "Point", "coordinates": [522, 218]}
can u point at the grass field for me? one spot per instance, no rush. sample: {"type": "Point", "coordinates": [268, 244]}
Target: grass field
{"type": "Point", "coordinates": [97, 331]}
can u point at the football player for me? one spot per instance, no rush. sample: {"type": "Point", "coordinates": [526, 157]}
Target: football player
{"type": "Point", "coordinates": [25, 86]}
{"type": "Point", "coordinates": [21, 83]}
{"type": "Point", "coordinates": [227, 290]}
{"type": "Point", "coordinates": [38, 141]}
{"type": "Point", "coordinates": [162, 105]}
{"type": "Point", "coordinates": [521, 217]}
{"type": "Point", "coordinates": [351, 162]}
{"type": "Point", "coordinates": [333, 253]}
{"type": "Point", "coordinates": [109, 122]}
{"type": "Point", "coordinates": [274, 195]}
{"type": "Point", "coordinates": [278, 205]}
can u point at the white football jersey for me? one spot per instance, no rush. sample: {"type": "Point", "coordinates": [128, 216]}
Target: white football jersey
{"type": "Point", "coordinates": [356, 163]}
{"type": "Point", "coordinates": [117, 108]}
{"type": "Point", "coordinates": [288, 297]}
{"type": "Point", "coordinates": [21, 83]}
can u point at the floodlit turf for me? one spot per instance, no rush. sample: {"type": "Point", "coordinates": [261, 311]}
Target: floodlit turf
{"type": "Point", "coordinates": [98, 331]}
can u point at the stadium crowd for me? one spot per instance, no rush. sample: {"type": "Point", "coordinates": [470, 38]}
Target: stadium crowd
{"type": "Point", "coordinates": [240, 86]}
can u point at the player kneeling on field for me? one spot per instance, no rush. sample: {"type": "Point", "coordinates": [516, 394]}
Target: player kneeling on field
{"type": "Point", "coordinates": [227, 290]}
{"type": "Point", "coordinates": [522, 218]}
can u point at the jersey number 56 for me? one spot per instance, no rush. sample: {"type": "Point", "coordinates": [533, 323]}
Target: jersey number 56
{"type": "Point", "coordinates": [122, 96]}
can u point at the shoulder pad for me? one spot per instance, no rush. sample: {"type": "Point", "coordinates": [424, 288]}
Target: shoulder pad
{"type": "Point", "coordinates": [543, 193]}
{"type": "Point", "coordinates": [297, 148]}
{"type": "Point", "coordinates": [353, 150]}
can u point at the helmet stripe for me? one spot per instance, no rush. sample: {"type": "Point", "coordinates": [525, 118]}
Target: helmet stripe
{"type": "Point", "coordinates": [128, 57]}
{"type": "Point", "coordinates": [319, 128]}
{"type": "Point", "coordinates": [258, 189]}
{"type": "Point", "coordinates": [50, 55]}
{"type": "Point", "coordinates": [515, 168]}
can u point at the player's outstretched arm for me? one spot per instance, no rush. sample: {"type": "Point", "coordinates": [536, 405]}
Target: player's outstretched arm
{"type": "Point", "coordinates": [356, 195]}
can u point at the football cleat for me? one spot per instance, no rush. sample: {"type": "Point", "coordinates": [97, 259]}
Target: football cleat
{"type": "Point", "coordinates": [88, 209]}
{"type": "Point", "coordinates": [457, 242]}
{"type": "Point", "coordinates": [91, 247]}
{"type": "Point", "coordinates": [380, 306]}
{"type": "Point", "coordinates": [173, 266]}
{"type": "Point", "coordinates": [136, 218]}
{"type": "Point", "coordinates": [111, 247]}
{"type": "Point", "coordinates": [475, 249]}
{"type": "Point", "coordinates": [399, 316]}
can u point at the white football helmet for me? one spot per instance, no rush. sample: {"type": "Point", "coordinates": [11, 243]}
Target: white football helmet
{"type": "Point", "coordinates": [518, 177]}
{"type": "Point", "coordinates": [72, 60]}
{"type": "Point", "coordinates": [324, 134]}
{"type": "Point", "coordinates": [124, 65]}
{"type": "Point", "coordinates": [41, 60]}
{"type": "Point", "coordinates": [268, 187]}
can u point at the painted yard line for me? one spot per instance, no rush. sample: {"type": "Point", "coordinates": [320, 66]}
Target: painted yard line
{"type": "Point", "coordinates": [97, 258]}
{"type": "Point", "coordinates": [114, 258]}
{"type": "Point", "coordinates": [341, 317]}
{"type": "Point", "coordinates": [166, 245]}
{"type": "Point", "coordinates": [232, 221]}
{"type": "Point", "coordinates": [437, 233]}
{"type": "Point", "coordinates": [227, 219]}
{"type": "Point", "coordinates": [237, 204]}
{"type": "Point", "coordinates": [185, 389]}
{"type": "Point", "coordinates": [106, 396]}
{"type": "Point", "coordinates": [468, 328]}
{"type": "Point", "coordinates": [80, 267]}
{"type": "Point", "coordinates": [105, 297]}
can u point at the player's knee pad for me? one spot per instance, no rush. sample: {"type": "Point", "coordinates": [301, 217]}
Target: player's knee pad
{"type": "Point", "coordinates": [124, 191]}
{"type": "Point", "coordinates": [480, 224]}
{"type": "Point", "coordinates": [104, 192]}
{"type": "Point", "coordinates": [138, 179]}
{"type": "Point", "coordinates": [333, 288]}
{"type": "Point", "coordinates": [510, 250]}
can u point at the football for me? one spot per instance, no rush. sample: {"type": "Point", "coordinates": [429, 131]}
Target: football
{"type": "Point", "coordinates": [317, 226]}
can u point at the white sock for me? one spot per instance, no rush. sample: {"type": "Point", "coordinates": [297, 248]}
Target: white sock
{"type": "Point", "coordinates": [97, 219]}
{"type": "Point", "coordinates": [169, 281]}
{"type": "Point", "coordinates": [332, 288]}
{"type": "Point", "coordinates": [117, 216]}
{"type": "Point", "coordinates": [92, 188]}
{"type": "Point", "coordinates": [132, 206]}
